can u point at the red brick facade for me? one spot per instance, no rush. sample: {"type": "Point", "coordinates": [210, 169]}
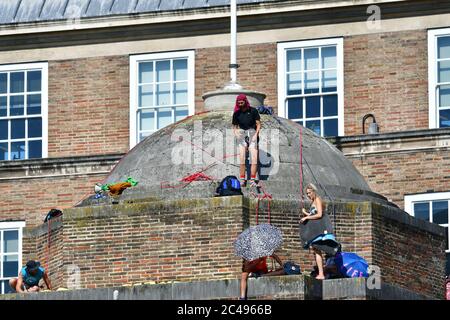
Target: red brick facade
{"type": "Point", "coordinates": [386, 74]}
{"type": "Point", "coordinates": [193, 240]}
{"type": "Point", "coordinates": [88, 103]}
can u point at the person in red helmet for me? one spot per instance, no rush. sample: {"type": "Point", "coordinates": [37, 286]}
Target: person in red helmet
{"type": "Point", "coordinates": [246, 128]}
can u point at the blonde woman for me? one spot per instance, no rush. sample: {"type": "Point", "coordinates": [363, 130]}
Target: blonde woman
{"type": "Point", "coordinates": [316, 212]}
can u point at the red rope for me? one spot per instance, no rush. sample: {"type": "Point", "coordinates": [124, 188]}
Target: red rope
{"type": "Point", "coordinates": [49, 230]}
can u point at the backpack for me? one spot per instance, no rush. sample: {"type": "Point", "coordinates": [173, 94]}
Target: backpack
{"type": "Point", "coordinates": [291, 268]}
{"type": "Point", "coordinates": [265, 110]}
{"type": "Point", "coordinates": [53, 213]}
{"type": "Point", "coordinates": [230, 186]}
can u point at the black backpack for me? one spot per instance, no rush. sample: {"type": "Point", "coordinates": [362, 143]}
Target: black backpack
{"type": "Point", "coordinates": [230, 186]}
{"type": "Point", "coordinates": [53, 213]}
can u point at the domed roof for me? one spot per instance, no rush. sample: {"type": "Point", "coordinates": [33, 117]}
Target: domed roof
{"type": "Point", "coordinates": [203, 144]}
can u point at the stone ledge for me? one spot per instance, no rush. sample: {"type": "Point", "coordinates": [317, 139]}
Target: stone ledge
{"type": "Point", "coordinates": [277, 287]}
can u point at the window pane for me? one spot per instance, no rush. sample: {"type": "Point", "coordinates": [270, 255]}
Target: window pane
{"type": "Point", "coordinates": [35, 149]}
{"type": "Point", "coordinates": [34, 128]}
{"type": "Point", "coordinates": [328, 57]}
{"type": "Point", "coordinates": [444, 71]}
{"type": "Point", "coordinates": [314, 126]}
{"type": "Point", "coordinates": [10, 266]}
{"type": "Point", "coordinates": [3, 129]}
{"type": "Point", "coordinates": [3, 82]}
{"type": "Point", "coordinates": [330, 105]}
{"type": "Point", "coordinates": [162, 71]}
{"type": "Point", "coordinates": [330, 127]}
{"type": "Point", "coordinates": [444, 118]}
{"type": "Point", "coordinates": [18, 150]}
{"type": "Point", "coordinates": [329, 81]}
{"type": "Point", "coordinates": [18, 129]}
{"type": "Point", "coordinates": [34, 81]}
{"type": "Point", "coordinates": [147, 120]}
{"type": "Point", "coordinates": [16, 107]}
{"type": "Point", "coordinates": [164, 117]}
{"type": "Point", "coordinates": [11, 241]}
{"type": "Point", "coordinates": [443, 47]}
{"type": "Point", "coordinates": [444, 96]}
{"type": "Point", "coordinates": [3, 106]}
{"type": "Point", "coordinates": [163, 94]}
{"type": "Point", "coordinates": [146, 72]}
{"type": "Point", "coordinates": [181, 113]}
{"type": "Point", "coordinates": [313, 107]}
{"type": "Point", "coordinates": [295, 108]}
{"type": "Point", "coordinates": [17, 82]}
{"type": "Point", "coordinates": [294, 83]}
{"type": "Point", "coordinates": [422, 211]}
{"type": "Point", "coordinates": [294, 60]}
{"type": "Point", "coordinates": [180, 69]}
{"type": "Point", "coordinates": [440, 212]}
{"type": "Point", "coordinates": [180, 93]}
{"type": "Point", "coordinates": [7, 287]}
{"type": "Point", "coordinates": [143, 135]}
{"type": "Point", "coordinates": [34, 104]}
{"type": "Point", "coordinates": [3, 151]}
{"type": "Point", "coordinates": [312, 59]}
{"type": "Point", "coordinates": [146, 96]}
{"type": "Point", "coordinates": [311, 82]}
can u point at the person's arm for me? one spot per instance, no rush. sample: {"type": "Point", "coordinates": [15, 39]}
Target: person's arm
{"type": "Point", "coordinates": [47, 281]}
{"type": "Point", "coordinates": [19, 283]}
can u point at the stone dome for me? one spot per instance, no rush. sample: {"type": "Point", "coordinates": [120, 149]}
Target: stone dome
{"type": "Point", "coordinates": [204, 143]}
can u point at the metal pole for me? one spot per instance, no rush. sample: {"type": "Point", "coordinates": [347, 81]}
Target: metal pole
{"type": "Point", "coordinates": [233, 63]}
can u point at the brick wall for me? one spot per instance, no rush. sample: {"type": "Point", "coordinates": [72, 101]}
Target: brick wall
{"type": "Point", "coordinates": [88, 105]}
{"type": "Point", "coordinates": [187, 240]}
{"type": "Point", "coordinates": [31, 199]}
{"type": "Point", "coordinates": [257, 71]}
{"type": "Point", "coordinates": [37, 245]}
{"type": "Point", "coordinates": [391, 174]}
{"type": "Point", "coordinates": [386, 74]}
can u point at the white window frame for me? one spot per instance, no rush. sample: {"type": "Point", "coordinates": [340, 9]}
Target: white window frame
{"type": "Point", "coordinates": [433, 118]}
{"type": "Point", "coordinates": [6, 226]}
{"type": "Point", "coordinates": [281, 56]}
{"type": "Point", "coordinates": [134, 74]}
{"type": "Point", "coordinates": [43, 66]}
{"type": "Point", "coordinates": [424, 197]}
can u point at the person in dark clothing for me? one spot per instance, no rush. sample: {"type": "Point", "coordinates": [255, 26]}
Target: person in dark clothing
{"type": "Point", "coordinates": [246, 128]}
{"type": "Point", "coordinates": [29, 277]}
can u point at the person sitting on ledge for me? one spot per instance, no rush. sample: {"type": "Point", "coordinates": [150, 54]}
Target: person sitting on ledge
{"type": "Point", "coordinates": [29, 277]}
{"type": "Point", "coordinates": [258, 268]}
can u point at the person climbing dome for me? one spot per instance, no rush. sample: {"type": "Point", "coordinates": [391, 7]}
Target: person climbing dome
{"type": "Point", "coordinates": [29, 277]}
{"type": "Point", "coordinates": [246, 129]}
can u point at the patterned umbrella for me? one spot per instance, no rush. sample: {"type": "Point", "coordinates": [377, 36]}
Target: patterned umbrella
{"type": "Point", "coordinates": [258, 241]}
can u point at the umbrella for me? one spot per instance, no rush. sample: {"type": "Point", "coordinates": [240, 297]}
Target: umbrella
{"type": "Point", "coordinates": [351, 265]}
{"type": "Point", "coordinates": [258, 241]}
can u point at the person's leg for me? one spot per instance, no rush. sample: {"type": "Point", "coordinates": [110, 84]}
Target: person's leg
{"type": "Point", "coordinates": [244, 278]}
{"type": "Point", "coordinates": [319, 262]}
{"type": "Point", "coordinates": [242, 154]}
{"type": "Point", "coordinates": [278, 272]}
{"type": "Point", "coordinates": [13, 283]}
{"type": "Point", "coordinates": [253, 161]}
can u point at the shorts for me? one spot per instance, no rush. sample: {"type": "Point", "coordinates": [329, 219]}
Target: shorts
{"type": "Point", "coordinates": [245, 137]}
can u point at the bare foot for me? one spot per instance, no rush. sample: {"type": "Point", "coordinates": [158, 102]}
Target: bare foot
{"type": "Point", "coordinates": [319, 277]}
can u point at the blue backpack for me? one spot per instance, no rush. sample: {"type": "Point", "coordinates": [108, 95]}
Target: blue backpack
{"type": "Point", "coordinates": [230, 186]}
